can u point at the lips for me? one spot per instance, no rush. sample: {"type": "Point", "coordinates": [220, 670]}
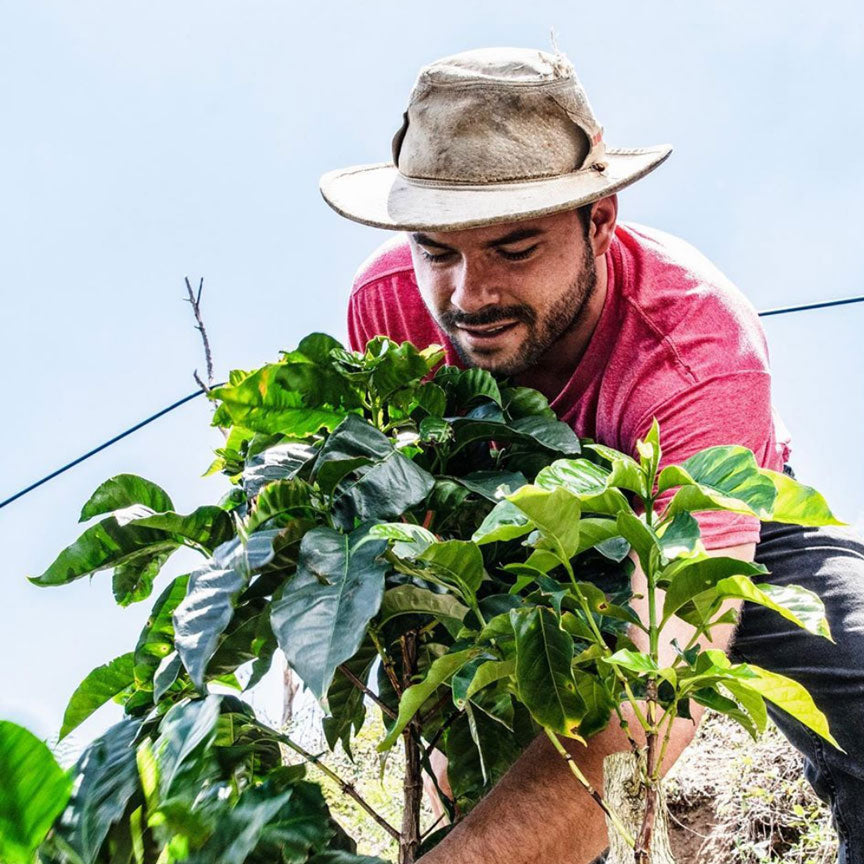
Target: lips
{"type": "Point", "coordinates": [488, 332]}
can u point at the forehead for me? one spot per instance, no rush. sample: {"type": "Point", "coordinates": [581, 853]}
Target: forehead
{"type": "Point", "coordinates": [503, 232]}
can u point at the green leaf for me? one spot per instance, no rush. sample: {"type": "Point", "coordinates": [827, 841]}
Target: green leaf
{"type": "Point", "coordinates": [156, 640]}
{"type": "Point", "coordinates": [105, 778]}
{"type": "Point", "coordinates": [122, 491]}
{"type": "Point", "coordinates": [625, 472]}
{"type": "Point", "coordinates": [321, 619]}
{"type": "Point", "coordinates": [544, 676]}
{"type": "Point", "coordinates": [791, 697]}
{"type": "Point", "coordinates": [488, 672]}
{"type": "Point", "coordinates": [35, 791]}
{"type": "Point", "coordinates": [456, 562]}
{"type": "Point", "coordinates": [317, 347]}
{"type": "Point", "coordinates": [281, 498]}
{"type": "Point", "coordinates": [793, 602]}
{"type": "Point", "coordinates": [207, 527]}
{"type": "Point", "coordinates": [587, 482]}
{"type": "Point", "coordinates": [345, 702]}
{"type": "Point", "coordinates": [797, 503]}
{"type": "Point", "coordinates": [133, 581]}
{"type": "Point", "coordinates": [694, 576]}
{"type": "Point", "coordinates": [526, 402]}
{"type": "Point", "coordinates": [441, 670]}
{"type": "Point", "coordinates": [182, 730]}
{"type": "Point", "coordinates": [293, 398]}
{"type": "Point", "coordinates": [280, 462]}
{"type": "Point", "coordinates": [598, 703]}
{"type": "Point", "coordinates": [105, 545]}
{"type": "Point", "coordinates": [641, 538]}
{"type": "Point", "coordinates": [384, 489]}
{"type": "Point", "coordinates": [409, 540]}
{"type": "Point", "coordinates": [465, 387]}
{"type": "Point", "coordinates": [680, 537]}
{"type": "Point", "coordinates": [635, 661]}
{"type": "Point", "coordinates": [504, 522]}
{"type": "Point", "coordinates": [103, 683]}
{"type": "Point", "coordinates": [719, 478]}
{"type": "Point", "coordinates": [411, 600]}
{"type": "Point", "coordinates": [493, 485]}
{"type": "Point", "coordinates": [554, 514]}
{"type": "Point", "coordinates": [204, 613]}
{"type": "Point", "coordinates": [751, 701]}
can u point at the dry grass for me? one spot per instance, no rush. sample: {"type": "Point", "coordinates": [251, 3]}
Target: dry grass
{"type": "Point", "coordinates": [735, 800]}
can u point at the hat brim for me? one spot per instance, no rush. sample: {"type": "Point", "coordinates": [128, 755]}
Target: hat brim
{"type": "Point", "coordinates": [378, 195]}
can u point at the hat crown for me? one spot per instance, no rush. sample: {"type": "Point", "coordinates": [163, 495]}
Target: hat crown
{"type": "Point", "coordinates": [506, 65]}
{"type": "Point", "coordinates": [497, 115]}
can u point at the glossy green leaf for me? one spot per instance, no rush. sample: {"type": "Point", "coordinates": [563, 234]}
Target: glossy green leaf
{"type": "Point", "coordinates": [794, 603]}
{"type": "Point", "coordinates": [465, 386]}
{"type": "Point", "coordinates": [719, 478]}
{"type": "Point", "coordinates": [409, 539]}
{"type": "Point", "coordinates": [456, 562]}
{"type": "Point", "coordinates": [598, 703]}
{"type": "Point", "coordinates": [488, 672]}
{"type": "Point", "coordinates": [35, 791]}
{"type": "Point", "coordinates": [641, 538]}
{"type": "Point", "coordinates": [504, 522]}
{"type": "Point", "coordinates": [123, 491]}
{"type": "Point", "coordinates": [345, 701]}
{"type": "Point", "coordinates": [320, 620]}
{"type": "Point", "coordinates": [101, 685]}
{"type": "Point", "coordinates": [413, 698]}
{"type": "Point", "coordinates": [411, 600]}
{"type": "Point", "coordinates": [280, 462]}
{"type": "Point", "coordinates": [680, 537]}
{"type": "Point", "coordinates": [797, 503]}
{"type": "Point", "coordinates": [133, 581]}
{"type": "Point", "coordinates": [207, 527]}
{"type": "Point", "coordinates": [543, 674]}
{"type": "Point", "coordinates": [293, 398]}
{"type": "Point", "coordinates": [493, 485]}
{"type": "Point", "coordinates": [692, 577]}
{"type": "Point", "coordinates": [282, 498]}
{"type": "Point", "coordinates": [156, 640]}
{"type": "Point", "coordinates": [791, 697]}
{"type": "Point", "coordinates": [105, 545]}
{"type": "Point", "coordinates": [204, 613]}
{"type": "Point", "coordinates": [625, 472]}
{"type": "Point", "coordinates": [182, 730]}
{"type": "Point", "coordinates": [105, 777]}
{"type": "Point", "coordinates": [554, 514]}
{"type": "Point", "coordinates": [587, 482]}
{"type": "Point", "coordinates": [751, 701]}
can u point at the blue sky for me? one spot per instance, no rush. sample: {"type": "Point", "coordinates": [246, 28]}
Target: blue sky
{"type": "Point", "coordinates": [148, 141]}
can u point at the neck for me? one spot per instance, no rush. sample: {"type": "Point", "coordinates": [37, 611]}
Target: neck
{"type": "Point", "coordinates": [556, 366]}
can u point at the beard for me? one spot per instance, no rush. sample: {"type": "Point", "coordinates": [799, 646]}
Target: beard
{"type": "Point", "coordinates": [544, 328]}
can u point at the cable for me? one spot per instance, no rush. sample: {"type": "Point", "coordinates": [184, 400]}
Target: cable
{"type": "Point", "coordinates": [95, 450]}
{"type": "Point", "coordinates": [783, 310]}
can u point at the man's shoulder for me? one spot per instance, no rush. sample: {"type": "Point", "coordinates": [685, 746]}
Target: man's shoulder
{"type": "Point", "coordinates": [686, 300]}
{"type": "Point", "coordinates": [391, 259]}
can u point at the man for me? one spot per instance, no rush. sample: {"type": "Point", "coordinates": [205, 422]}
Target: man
{"type": "Point", "coordinates": [515, 262]}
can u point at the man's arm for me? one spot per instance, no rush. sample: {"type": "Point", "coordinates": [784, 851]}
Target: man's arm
{"type": "Point", "coordinates": [538, 811]}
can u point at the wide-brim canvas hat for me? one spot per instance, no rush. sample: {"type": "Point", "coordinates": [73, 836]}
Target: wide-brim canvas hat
{"type": "Point", "coordinates": [492, 135]}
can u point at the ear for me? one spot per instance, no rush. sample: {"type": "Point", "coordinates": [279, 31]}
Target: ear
{"type": "Point", "coordinates": [604, 216]}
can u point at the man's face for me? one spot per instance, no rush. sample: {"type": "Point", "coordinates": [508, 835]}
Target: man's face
{"type": "Point", "coordinates": [505, 294]}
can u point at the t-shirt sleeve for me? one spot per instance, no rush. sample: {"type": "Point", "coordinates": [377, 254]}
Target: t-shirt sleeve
{"type": "Point", "coordinates": [358, 334]}
{"type": "Point", "coordinates": [733, 408]}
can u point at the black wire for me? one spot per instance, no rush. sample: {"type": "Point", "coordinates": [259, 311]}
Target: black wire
{"type": "Point", "coordinates": [95, 450]}
{"type": "Point", "coordinates": [782, 310]}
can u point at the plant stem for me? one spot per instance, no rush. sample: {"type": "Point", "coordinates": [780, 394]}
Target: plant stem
{"type": "Point", "coordinates": [347, 788]}
{"type": "Point", "coordinates": [412, 787]}
{"type": "Point", "coordinates": [598, 798]}
{"type": "Point", "coordinates": [361, 686]}
{"type": "Point", "coordinates": [642, 851]}
{"type": "Point", "coordinates": [386, 662]}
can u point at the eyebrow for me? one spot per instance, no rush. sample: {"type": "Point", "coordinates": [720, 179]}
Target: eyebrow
{"type": "Point", "coordinates": [506, 240]}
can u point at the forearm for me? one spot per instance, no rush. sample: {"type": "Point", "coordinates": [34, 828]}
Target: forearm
{"type": "Point", "coordinates": [539, 811]}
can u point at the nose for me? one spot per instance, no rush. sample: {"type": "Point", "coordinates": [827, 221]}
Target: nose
{"type": "Point", "coordinates": [474, 287]}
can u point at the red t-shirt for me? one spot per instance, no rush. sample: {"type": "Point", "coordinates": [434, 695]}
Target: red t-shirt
{"type": "Point", "coordinates": [675, 340]}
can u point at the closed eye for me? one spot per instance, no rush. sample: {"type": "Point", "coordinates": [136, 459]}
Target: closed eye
{"type": "Point", "coordinates": [517, 256]}
{"type": "Point", "coordinates": [442, 256]}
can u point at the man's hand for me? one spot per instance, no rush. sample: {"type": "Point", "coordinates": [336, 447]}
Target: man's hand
{"type": "Point", "coordinates": [538, 812]}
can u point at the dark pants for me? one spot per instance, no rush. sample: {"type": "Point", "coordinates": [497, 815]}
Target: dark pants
{"type": "Point", "coordinates": [830, 562]}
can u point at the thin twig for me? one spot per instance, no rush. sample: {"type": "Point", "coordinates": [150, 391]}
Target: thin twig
{"type": "Point", "coordinates": [428, 831]}
{"type": "Point", "coordinates": [442, 701]}
{"type": "Point", "coordinates": [195, 302]}
{"type": "Point", "coordinates": [430, 747]}
{"type": "Point", "coordinates": [346, 787]}
{"type": "Point", "coordinates": [361, 686]}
